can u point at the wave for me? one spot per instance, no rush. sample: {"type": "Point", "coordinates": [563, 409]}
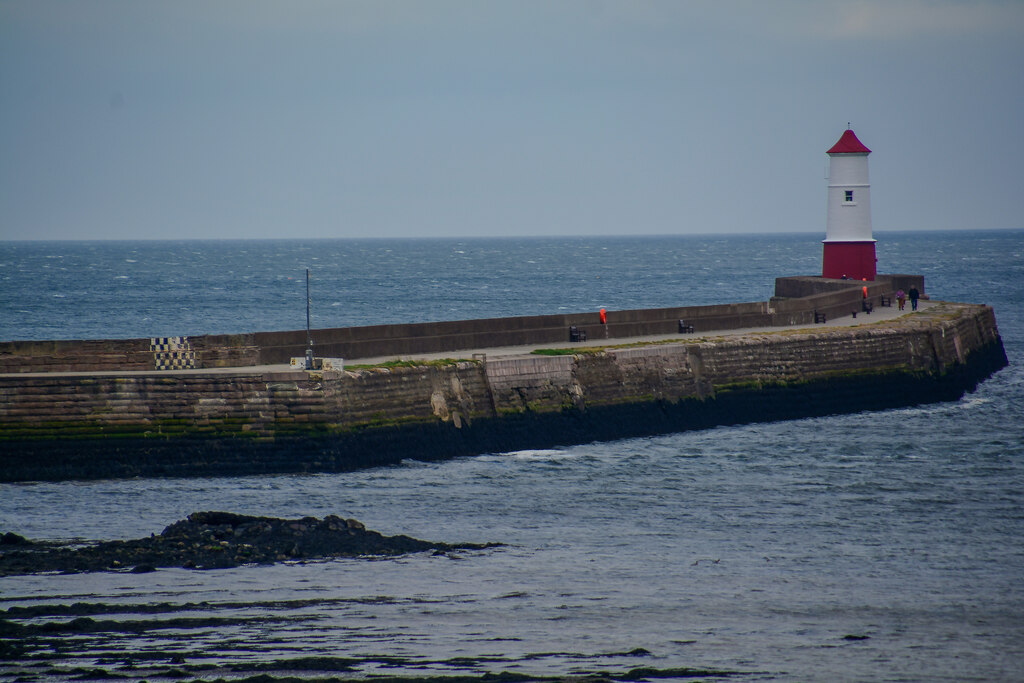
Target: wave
{"type": "Point", "coordinates": [542, 454]}
{"type": "Point", "coordinates": [967, 403]}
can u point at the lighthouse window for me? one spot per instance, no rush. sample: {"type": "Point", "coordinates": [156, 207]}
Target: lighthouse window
{"type": "Point", "coordinates": [849, 195]}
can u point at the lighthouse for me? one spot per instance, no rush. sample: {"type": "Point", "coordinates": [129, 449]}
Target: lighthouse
{"type": "Point", "coordinates": [849, 249]}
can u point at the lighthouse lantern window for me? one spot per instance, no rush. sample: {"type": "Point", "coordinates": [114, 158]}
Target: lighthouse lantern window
{"type": "Point", "coordinates": [849, 195]}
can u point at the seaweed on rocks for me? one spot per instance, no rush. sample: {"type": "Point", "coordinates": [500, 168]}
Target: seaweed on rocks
{"type": "Point", "coordinates": [215, 540]}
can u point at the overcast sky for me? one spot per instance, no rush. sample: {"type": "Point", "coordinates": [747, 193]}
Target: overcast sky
{"type": "Point", "coordinates": [249, 118]}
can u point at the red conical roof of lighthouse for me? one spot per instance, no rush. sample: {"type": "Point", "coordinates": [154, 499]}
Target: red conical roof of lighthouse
{"type": "Point", "coordinates": [849, 144]}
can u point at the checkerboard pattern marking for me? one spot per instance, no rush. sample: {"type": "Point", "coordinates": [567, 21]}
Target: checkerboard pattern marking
{"type": "Point", "coordinates": [172, 353]}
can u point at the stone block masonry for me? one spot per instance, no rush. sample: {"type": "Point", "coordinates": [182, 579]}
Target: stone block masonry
{"type": "Point", "coordinates": [79, 427]}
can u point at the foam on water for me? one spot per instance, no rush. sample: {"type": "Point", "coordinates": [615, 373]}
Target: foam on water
{"type": "Point", "coordinates": [543, 454]}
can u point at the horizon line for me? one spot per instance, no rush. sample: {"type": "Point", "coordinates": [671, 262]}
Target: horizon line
{"type": "Point", "coordinates": [484, 237]}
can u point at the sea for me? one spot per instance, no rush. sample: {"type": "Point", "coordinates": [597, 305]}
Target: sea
{"type": "Point", "coordinates": [876, 546]}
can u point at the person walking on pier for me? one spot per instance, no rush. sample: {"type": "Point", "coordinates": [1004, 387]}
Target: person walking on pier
{"type": "Point", "coordinates": [901, 298]}
{"type": "Point", "coordinates": [914, 296]}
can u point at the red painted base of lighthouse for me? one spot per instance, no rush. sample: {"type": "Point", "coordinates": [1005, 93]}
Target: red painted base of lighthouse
{"type": "Point", "coordinates": [855, 260]}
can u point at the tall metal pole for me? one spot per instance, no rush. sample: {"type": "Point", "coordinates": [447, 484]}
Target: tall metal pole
{"type": "Point", "coordinates": [309, 337]}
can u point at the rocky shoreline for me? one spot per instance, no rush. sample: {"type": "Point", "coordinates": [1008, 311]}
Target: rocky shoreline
{"type": "Point", "coordinates": [216, 540]}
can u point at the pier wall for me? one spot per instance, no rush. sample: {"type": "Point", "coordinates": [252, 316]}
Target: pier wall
{"type": "Point", "coordinates": [796, 302]}
{"type": "Point", "coordinates": [65, 427]}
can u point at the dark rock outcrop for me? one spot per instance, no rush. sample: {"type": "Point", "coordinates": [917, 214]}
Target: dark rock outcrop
{"type": "Point", "coordinates": [213, 540]}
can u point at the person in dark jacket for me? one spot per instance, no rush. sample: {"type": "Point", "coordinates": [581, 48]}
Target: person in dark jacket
{"type": "Point", "coordinates": [914, 295]}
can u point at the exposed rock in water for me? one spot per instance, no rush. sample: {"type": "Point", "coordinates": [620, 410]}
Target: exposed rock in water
{"type": "Point", "coordinates": [213, 540]}
{"type": "Point", "coordinates": [11, 538]}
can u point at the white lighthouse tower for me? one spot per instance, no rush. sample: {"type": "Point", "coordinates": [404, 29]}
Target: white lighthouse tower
{"type": "Point", "coordinates": [849, 249]}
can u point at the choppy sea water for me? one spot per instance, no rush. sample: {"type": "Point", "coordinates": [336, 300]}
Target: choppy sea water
{"type": "Point", "coordinates": [873, 546]}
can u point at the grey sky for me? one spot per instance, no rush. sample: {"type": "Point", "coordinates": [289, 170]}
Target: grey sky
{"type": "Point", "coordinates": [248, 118]}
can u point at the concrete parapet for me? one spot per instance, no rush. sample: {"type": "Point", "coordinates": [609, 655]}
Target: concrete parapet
{"type": "Point", "coordinates": [796, 301]}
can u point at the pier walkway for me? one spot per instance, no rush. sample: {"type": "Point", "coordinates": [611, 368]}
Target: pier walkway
{"type": "Point", "coordinates": [879, 314]}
